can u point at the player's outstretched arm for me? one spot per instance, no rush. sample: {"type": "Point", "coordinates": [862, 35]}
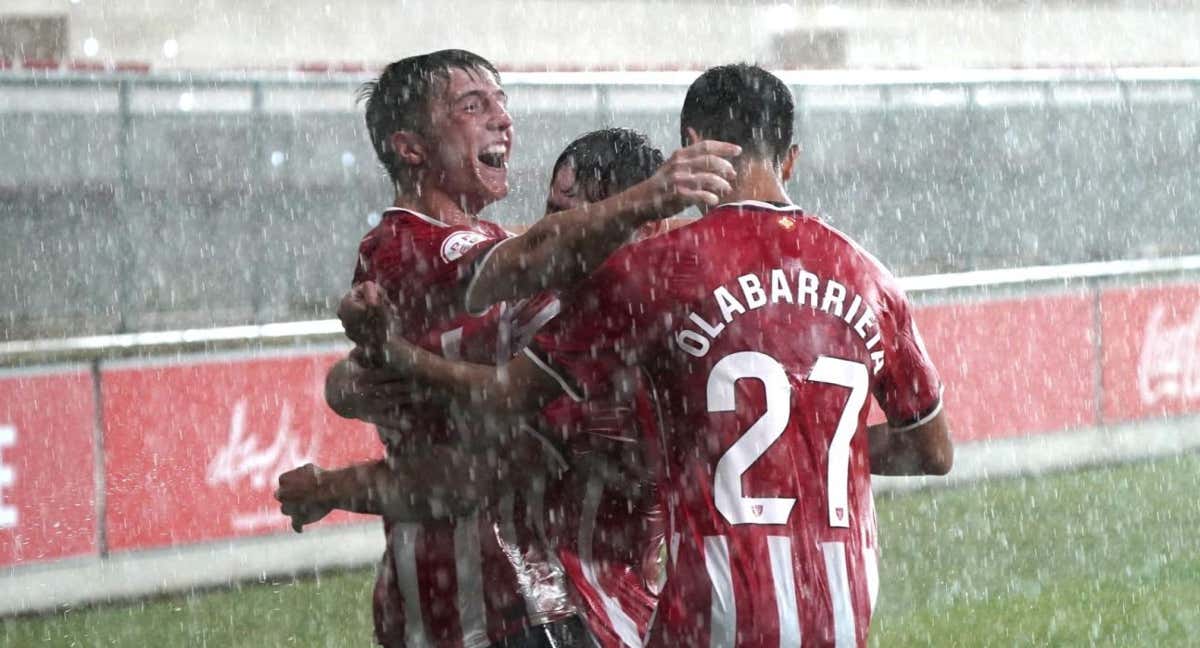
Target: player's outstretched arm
{"type": "Point", "coordinates": [308, 493]}
{"type": "Point", "coordinates": [925, 449]}
{"type": "Point", "coordinates": [561, 249]}
{"type": "Point", "coordinates": [402, 492]}
{"type": "Point", "coordinates": [432, 482]}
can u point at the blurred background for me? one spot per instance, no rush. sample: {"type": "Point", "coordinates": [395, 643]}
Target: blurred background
{"type": "Point", "coordinates": [185, 164]}
{"type": "Point", "coordinates": [183, 186]}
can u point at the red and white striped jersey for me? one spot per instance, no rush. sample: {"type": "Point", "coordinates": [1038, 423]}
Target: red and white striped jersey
{"type": "Point", "coordinates": [473, 580]}
{"type": "Point", "coordinates": [470, 581]}
{"type": "Point", "coordinates": [763, 331]}
{"type": "Point", "coordinates": [606, 520]}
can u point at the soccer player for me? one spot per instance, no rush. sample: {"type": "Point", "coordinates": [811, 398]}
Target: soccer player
{"type": "Point", "coordinates": [606, 525]}
{"type": "Point", "coordinates": [762, 331]}
{"type": "Point", "coordinates": [440, 127]}
{"type": "Point", "coordinates": [605, 522]}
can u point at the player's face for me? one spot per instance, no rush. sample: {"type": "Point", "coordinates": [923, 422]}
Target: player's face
{"type": "Point", "coordinates": [472, 137]}
{"type": "Point", "coordinates": [565, 193]}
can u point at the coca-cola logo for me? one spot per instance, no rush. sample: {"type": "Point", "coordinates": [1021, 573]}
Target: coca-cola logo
{"type": "Point", "coordinates": [246, 457]}
{"type": "Point", "coordinates": [1169, 363]}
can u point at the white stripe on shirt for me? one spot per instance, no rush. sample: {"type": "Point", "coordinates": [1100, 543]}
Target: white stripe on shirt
{"type": "Point", "coordinates": [784, 576]}
{"type": "Point", "coordinates": [468, 568]}
{"type": "Point", "coordinates": [723, 611]}
{"type": "Point", "coordinates": [625, 627]}
{"type": "Point", "coordinates": [839, 593]}
{"type": "Point", "coordinates": [404, 548]}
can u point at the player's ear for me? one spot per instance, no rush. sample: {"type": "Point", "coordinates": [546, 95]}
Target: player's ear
{"type": "Point", "coordinates": [789, 162]}
{"type": "Point", "coordinates": [410, 147]}
{"type": "Point", "coordinates": [692, 136]}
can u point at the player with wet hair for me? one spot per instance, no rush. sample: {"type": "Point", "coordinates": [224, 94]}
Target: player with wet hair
{"type": "Point", "coordinates": [602, 520]}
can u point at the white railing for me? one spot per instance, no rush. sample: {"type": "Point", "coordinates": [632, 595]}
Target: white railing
{"type": "Point", "coordinates": [101, 344]}
{"type": "Point", "coordinates": [1036, 274]}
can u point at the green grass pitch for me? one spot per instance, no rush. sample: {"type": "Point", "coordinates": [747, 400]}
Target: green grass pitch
{"type": "Point", "coordinates": [1106, 556]}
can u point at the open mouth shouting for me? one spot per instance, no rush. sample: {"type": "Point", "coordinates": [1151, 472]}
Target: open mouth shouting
{"type": "Point", "coordinates": [495, 156]}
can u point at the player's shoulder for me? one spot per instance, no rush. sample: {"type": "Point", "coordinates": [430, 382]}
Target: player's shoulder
{"type": "Point", "coordinates": [814, 236]}
{"type": "Point", "coordinates": [396, 222]}
{"type": "Point", "coordinates": [494, 230]}
{"type": "Point", "coordinates": [637, 256]}
{"type": "Point", "coordinates": [425, 235]}
{"type": "Point", "coordinates": [846, 246]}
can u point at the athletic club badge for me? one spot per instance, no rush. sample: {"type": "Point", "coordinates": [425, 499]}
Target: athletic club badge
{"type": "Point", "coordinates": [458, 243]}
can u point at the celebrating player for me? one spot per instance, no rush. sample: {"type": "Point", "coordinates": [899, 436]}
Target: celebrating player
{"type": "Point", "coordinates": [606, 529]}
{"type": "Point", "coordinates": [440, 126]}
{"type": "Point", "coordinates": [763, 331]}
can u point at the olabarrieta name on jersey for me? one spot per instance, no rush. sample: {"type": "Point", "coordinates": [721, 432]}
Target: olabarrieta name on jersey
{"type": "Point", "coordinates": [805, 289]}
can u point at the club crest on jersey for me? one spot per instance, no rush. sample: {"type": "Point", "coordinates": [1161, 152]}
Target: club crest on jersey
{"type": "Point", "coordinates": [458, 243]}
{"type": "Point", "coordinates": [840, 512]}
{"type": "Point", "coordinates": [757, 510]}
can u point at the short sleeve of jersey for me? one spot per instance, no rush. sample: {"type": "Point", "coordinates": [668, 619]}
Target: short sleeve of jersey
{"type": "Point", "coordinates": [599, 332]}
{"type": "Point", "coordinates": [415, 258]}
{"type": "Point", "coordinates": [908, 387]}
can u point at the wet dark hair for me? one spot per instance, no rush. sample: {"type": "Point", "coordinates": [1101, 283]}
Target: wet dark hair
{"type": "Point", "coordinates": [400, 100]}
{"type": "Point", "coordinates": [742, 104]}
{"type": "Point", "coordinates": [609, 161]}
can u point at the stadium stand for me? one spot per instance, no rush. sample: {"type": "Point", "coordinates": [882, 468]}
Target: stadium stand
{"type": "Point", "coordinates": [136, 202]}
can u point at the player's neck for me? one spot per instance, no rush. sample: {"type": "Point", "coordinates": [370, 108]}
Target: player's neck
{"type": "Point", "coordinates": [759, 181]}
{"type": "Point", "coordinates": [436, 204]}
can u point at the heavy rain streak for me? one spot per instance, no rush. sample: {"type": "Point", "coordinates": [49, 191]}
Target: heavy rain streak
{"type": "Point", "coordinates": [599, 323]}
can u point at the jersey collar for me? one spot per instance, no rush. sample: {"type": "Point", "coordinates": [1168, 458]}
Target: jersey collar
{"type": "Point", "coordinates": [400, 210]}
{"type": "Point", "coordinates": [762, 205]}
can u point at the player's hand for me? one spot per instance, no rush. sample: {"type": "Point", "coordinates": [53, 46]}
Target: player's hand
{"type": "Point", "coordinates": [380, 396]}
{"type": "Point", "coordinates": [396, 360]}
{"type": "Point", "coordinates": [298, 496]}
{"type": "Point", "coordinates": [699, 174]}
{"type": "Point", "coordinates": [364, 315]}
{"type": "Point", "coordinates": [302, 514]}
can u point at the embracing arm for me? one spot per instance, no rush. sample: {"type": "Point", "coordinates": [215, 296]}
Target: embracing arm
{"type": "Point", "coordinates": [515, 389]}
{"type": "Point", "coordinates": [560, 249]}
{"type": "Point", "coordinates": [406, 490]}
{"type": "Point", "coordinates": [371, 395]}
{"type": "Point", "coordinates": [924, 449]}
{"type": "Point", "coordinates": [430, 482]}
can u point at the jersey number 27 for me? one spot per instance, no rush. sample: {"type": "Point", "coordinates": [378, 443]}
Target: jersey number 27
{"type": "Point", "coordinates": [758, 439]}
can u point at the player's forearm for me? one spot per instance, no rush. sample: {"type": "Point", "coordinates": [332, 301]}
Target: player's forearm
{"type": "Point", "coordinates": [353, 488]}
{"type": "Point", "coordinates": [339, 389]}
{"type": "Point", "coordinates": [420, 488]}
{"type": "Point", "coordinates": [890, 455]}
{"type": "Point", "coordinates": [484, 389]}
{"type": "Point", "coordinates": [561, 249]}
{"type": "Point", "coordinates": [925, 450]}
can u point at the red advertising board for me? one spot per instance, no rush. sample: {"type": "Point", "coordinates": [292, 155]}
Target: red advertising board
{"type": "Point", "coordinates": [1014, 367]}
{"type": "Point", "coordinates": [47, 482]}
{"type": "Point", "coordinates": [193, 448]}
{"type": "Point", "coordinates": [1151, 361]}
